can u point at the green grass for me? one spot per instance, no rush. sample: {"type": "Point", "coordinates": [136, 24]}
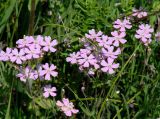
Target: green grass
{"type": "Point", "coordinates": [137, 79]}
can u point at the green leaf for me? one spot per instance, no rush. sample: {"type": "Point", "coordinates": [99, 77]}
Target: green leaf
{"type": "Point", "coordinates": [7, 14]}
{"type": "Point", "coordinates": [86, 111]}
{"type": "Point", "coordinates": [45, 103]}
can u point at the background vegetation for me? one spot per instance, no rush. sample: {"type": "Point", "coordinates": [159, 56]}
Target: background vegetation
{"type": "Point", "coordinates": [133, 92]}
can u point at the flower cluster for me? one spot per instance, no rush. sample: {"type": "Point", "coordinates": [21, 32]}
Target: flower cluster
{"type": "Point", "coordinates": [64, 105]}
{"type": "Point", "coordinates": [144, 33]}
{"type": "Point", "coordinates": [139, 13]}
{"type": "Point", "coordinates": [43, 71]}
{"type": "Point", "coordinates": [67, 107]}
{"type": "Point", "coordinates": [100, 51]}
{"type": "Point", "coordinates": [28, 48]}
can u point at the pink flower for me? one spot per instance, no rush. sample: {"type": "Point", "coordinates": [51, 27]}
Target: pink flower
{"type": "Point", "coordinates": [118, 38]}
{"type": "Point", "coordinates": [109, 66]}
{"type": "Point", "coordinates": [5, 56]}
{"type": "Point", "coordinates": [2, 55]}
{"type": "Point", "coordinates": [93, 35]}
{"type": "Point", "coordinates": [122, 25]}
{"type": "Point", "coordinates": [25, 42]}
{"type": "Point", "coordinates": [67, 107]}
{"type": "Point", "coordinates": [49, 91]}
{"type": "Point", "coordinates": [144, 33]}
{"type": "Point", "coordinates": [25, 74]}
{"type": "Point", "coordinates": [18, 56]}
{"type": "Point", "coordinates": [105, 41]}
{"type": "Point", "coordinates": [48, 71]}
{"type": "Point", "coordinates": [32, 52]}
{"type": "Point", "coordinates": [8, 53]}
{"type": "Point", "coordinates": [49, 45]}
{"type": "Point", "coordinates": [87, 60]}
{"type": "Point", "coordinates": [73, 57]}
{"type": "Point", "coordinates": [110, 52]}
{"type": "Point", "coordinates": [37, 43]}
{"type": "Point", "coordinates": [85, 51]}
{"type": "Point", "coordinates": [139, 13]}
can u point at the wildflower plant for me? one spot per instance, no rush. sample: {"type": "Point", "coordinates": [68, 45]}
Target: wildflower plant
{"type": "Point", "coordinates": [108, 72]}
{"type": "Point", "coordinates": [100, 51]}
{"type": "Point", "coordinates": [32, 48]}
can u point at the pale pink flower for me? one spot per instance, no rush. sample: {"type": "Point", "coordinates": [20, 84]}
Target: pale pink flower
{"type": "Point", "coordinates": [32, 52]}
{"type": "Point", "coordinates": [48, 44]}
{"type": "Point", "coordinates": [25, 42]}
{"type": "Point", "coordinates": [85, 51]}
{"type": "Point", "coordinates": [5, 56]}
{"type": "Point", "coordinates": [67, 107]}
{"type": "Point", "coordinates": [139, 13]}
{"type": "Point", "coordinates": [122, 25]}
{"type": "Point", "coordinates": [49, 91]}
{"type": "Point", "coordinates": [93, 35]}
{"type": "Point", "coordinates": [8, 53]}
{"type": "Point", "coordinates": [25, 74]}
{"type": "Point", "coordinates": [2, 55]}
{"type": "Point", "coordinates": [104, 41]}
{"type": "Point", "coordinates": [48, 71]}
{"type": "Point", "coordinates": [37, 43]}
{"type": "Point", "coordinates": [118, 38]}
{"type": "Point", "coordinates": [144, 33]}
{"type": "Point", "coordinates": [146, 28]}
{"type": "Point", "coordinates": [87, 60]}
{"type": "Point", "coordinates": [110, 52]}
{"type": "Point", "coordinates": [109, 66]}
{"type": "Point", "coordinates": [73, 57]}
{"type": "Point", "coordinates": [18, 56]}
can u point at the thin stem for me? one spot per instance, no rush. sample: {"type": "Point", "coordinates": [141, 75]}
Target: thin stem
{"type": "Point", "coordinates": [31, 18]}
{"type": "Point", "coordinates": [113, 85]}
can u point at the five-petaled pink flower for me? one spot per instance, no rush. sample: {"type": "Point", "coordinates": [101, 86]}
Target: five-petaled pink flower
{"type": "Point", "coordinates": [48, 71]}
{"type": "Point", "coordinates": [73, 57]}
{"type": "Point", "coordinates": [67, 107]}
{"type": "Point", "coordinates": [109, 66]}
{"type": "Point", "coordinates": [37, 42]}
{"type": "Point", "coordinates": [118, 38]}
{"type": "Point", "coordinates": [25, 42]}
{"type": "Point", "coordinates": [110, 52]}
{"type": "Point", "coordinates": [32, 52]}
{"type": "Point", "coordinates": [18, 56]}
{"type": "Point", "coordinates": [49, 91]}
{"type": "Point", "coordinates": [93, 35]}
{"type": "Point", "coordinates": [104, 41]}
{"type": "Point", "coordinates": [122, 25]}
{"type": "Point", "coordinates": [87, 60]}
{"type": "Point", "coordinates": [48, 44]}
{"type": "Point", "coordinates": [5, 56]}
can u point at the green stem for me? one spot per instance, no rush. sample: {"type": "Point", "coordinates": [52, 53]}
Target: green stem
{"type": "Point", "coordinates": [31, 18]}
{"type": "Point", "coordinates": [116, 79]}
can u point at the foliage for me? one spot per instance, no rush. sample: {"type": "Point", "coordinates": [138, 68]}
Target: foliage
{"type": "Point", "coordinates": [132, 92]}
